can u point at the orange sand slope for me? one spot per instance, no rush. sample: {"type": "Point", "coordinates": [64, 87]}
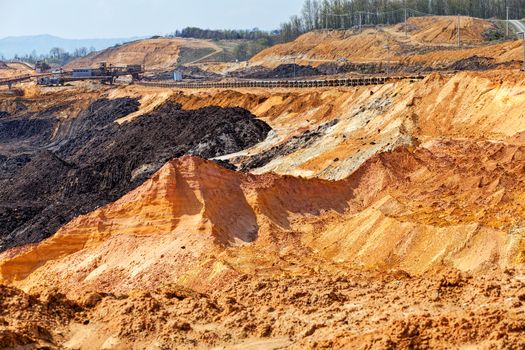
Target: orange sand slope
{"type": "Point", "coordinates": [443, 30]}
{"type": "Point", "coordinates": [372, 45]}
{"type": "Point", "coordinates": [8, 70]}
{"type": "Point", "coordinates": [446, 203]}
{"type": "Point", "coordinates": [159, 53]}
{"type": "Point", "coordinates": [348, 126]}
{"type": "Point", "coordinates": [389, 44]}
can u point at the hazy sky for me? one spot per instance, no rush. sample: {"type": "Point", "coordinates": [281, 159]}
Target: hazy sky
{"type": "Point", "coordinates": [124, 18]}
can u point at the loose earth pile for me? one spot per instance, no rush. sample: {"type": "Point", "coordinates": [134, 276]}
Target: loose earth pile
{"type": "Point", "coordinates": [70, 167]}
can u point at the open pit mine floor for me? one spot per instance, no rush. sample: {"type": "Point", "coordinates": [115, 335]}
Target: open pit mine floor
{"type": "Point", "coordinates": [370, 217]}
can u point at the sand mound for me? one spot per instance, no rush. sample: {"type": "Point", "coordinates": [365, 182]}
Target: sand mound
{"type": "Point", "coordinates": [8, 70]}
{"type": "Point", "coordinates": [505, 54]}
{"type": "Point", "coordinates": [154, 54]}
{"type": "Point", "coordinates": [439, 205]}
{"type": "Point", "coordinates": [315, 48]}
{"type": "Point", "coordinates": [429, 181]}
{"type": "Point", "coordinates": [387, 45]}
{"type": "Point", "coordinates": [193, 208]}
{"type": "Point", "coordinates": [443, 30]}
{"type": "Point", "coordinates": [241, 239]}
{"type": "Point", "coordinates": [58, 169]}
{"type": "Point", "coordinates": [329, 133]}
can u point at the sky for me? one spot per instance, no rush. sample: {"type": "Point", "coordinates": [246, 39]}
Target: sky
{"type": "Point", "coordinates": [88, 19]}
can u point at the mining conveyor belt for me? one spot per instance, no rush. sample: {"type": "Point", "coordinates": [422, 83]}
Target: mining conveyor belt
{"type": "Point", "coordinates": [25, 64]}
{"type": "Point", "coordinates": [21, 78]}
{"type": "Point", "coordinates": [281, 83]}
{"type": "Point", "coordinates": [17, 79]}
{"type": "Point", "coordinates": [362, 81]}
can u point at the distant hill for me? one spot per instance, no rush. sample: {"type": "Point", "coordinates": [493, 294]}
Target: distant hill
{"type": "Point", "coordinates": [24, 45]}
{"type": "Point", "coordinates": [159, 53]}
{"type": "Point", "coordinates": [424, 34]}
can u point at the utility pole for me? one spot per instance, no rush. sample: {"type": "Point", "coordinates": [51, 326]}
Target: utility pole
{"type": "Point", "coordinates": [387, 69]}
{"type": "Point", "coordinates": [406, 29]}
{"type": "Point", "coordinates": [523, 51]}
{"type": "Point", "coordinates": [507, 31]}
{"type": "Point", "coordinates": [459, 30]}
{"type": "Point", "coordinates": [405, 6]}
{"type": "Point", "coordinates": [360, 21]}
{"type": "Point", "coordinates": [523, 41]}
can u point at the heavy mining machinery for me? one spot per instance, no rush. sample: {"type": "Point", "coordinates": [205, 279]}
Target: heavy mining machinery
{"type": "Point", "coordinates": [104, 73]}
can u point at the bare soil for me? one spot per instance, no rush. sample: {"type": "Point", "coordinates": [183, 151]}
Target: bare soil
{"type": "Point", "coordinates": [347, 310]}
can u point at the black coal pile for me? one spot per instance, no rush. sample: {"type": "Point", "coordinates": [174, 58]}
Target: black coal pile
{"type": "Point", "coordinates": [188, 72]}
{"type": "Point", "coordinates": [366, 68]}
{"type": "Point", "coordinates": [473, 63]}
{"type": "Point", "coordinates": [194, 72]}
{"type": "Point", "coordinates": [27, 129]}
{"type": "Point", "coordinates": [286, 71]}
{"type": "Point", "coordinates": [90, 160]}
{"type": "Point", "coordinates": [282, 71]}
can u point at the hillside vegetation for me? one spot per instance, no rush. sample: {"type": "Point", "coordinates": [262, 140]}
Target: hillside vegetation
{"type": "Point", "coordinates": [336, 14]}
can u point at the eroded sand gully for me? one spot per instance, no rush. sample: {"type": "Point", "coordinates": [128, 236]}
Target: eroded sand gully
{"type": "Point", "coordinates": [373, 217]}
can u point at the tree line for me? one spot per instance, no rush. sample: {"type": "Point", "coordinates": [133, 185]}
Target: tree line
{"type": "Point", "coordinates": [56, 56]}
{"type": "Point", "coordinates": [251, 42]}
{"type": "Point", "coordinates": [226, 34]}
{"type": "Point", "coordinates": [335, 14]}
